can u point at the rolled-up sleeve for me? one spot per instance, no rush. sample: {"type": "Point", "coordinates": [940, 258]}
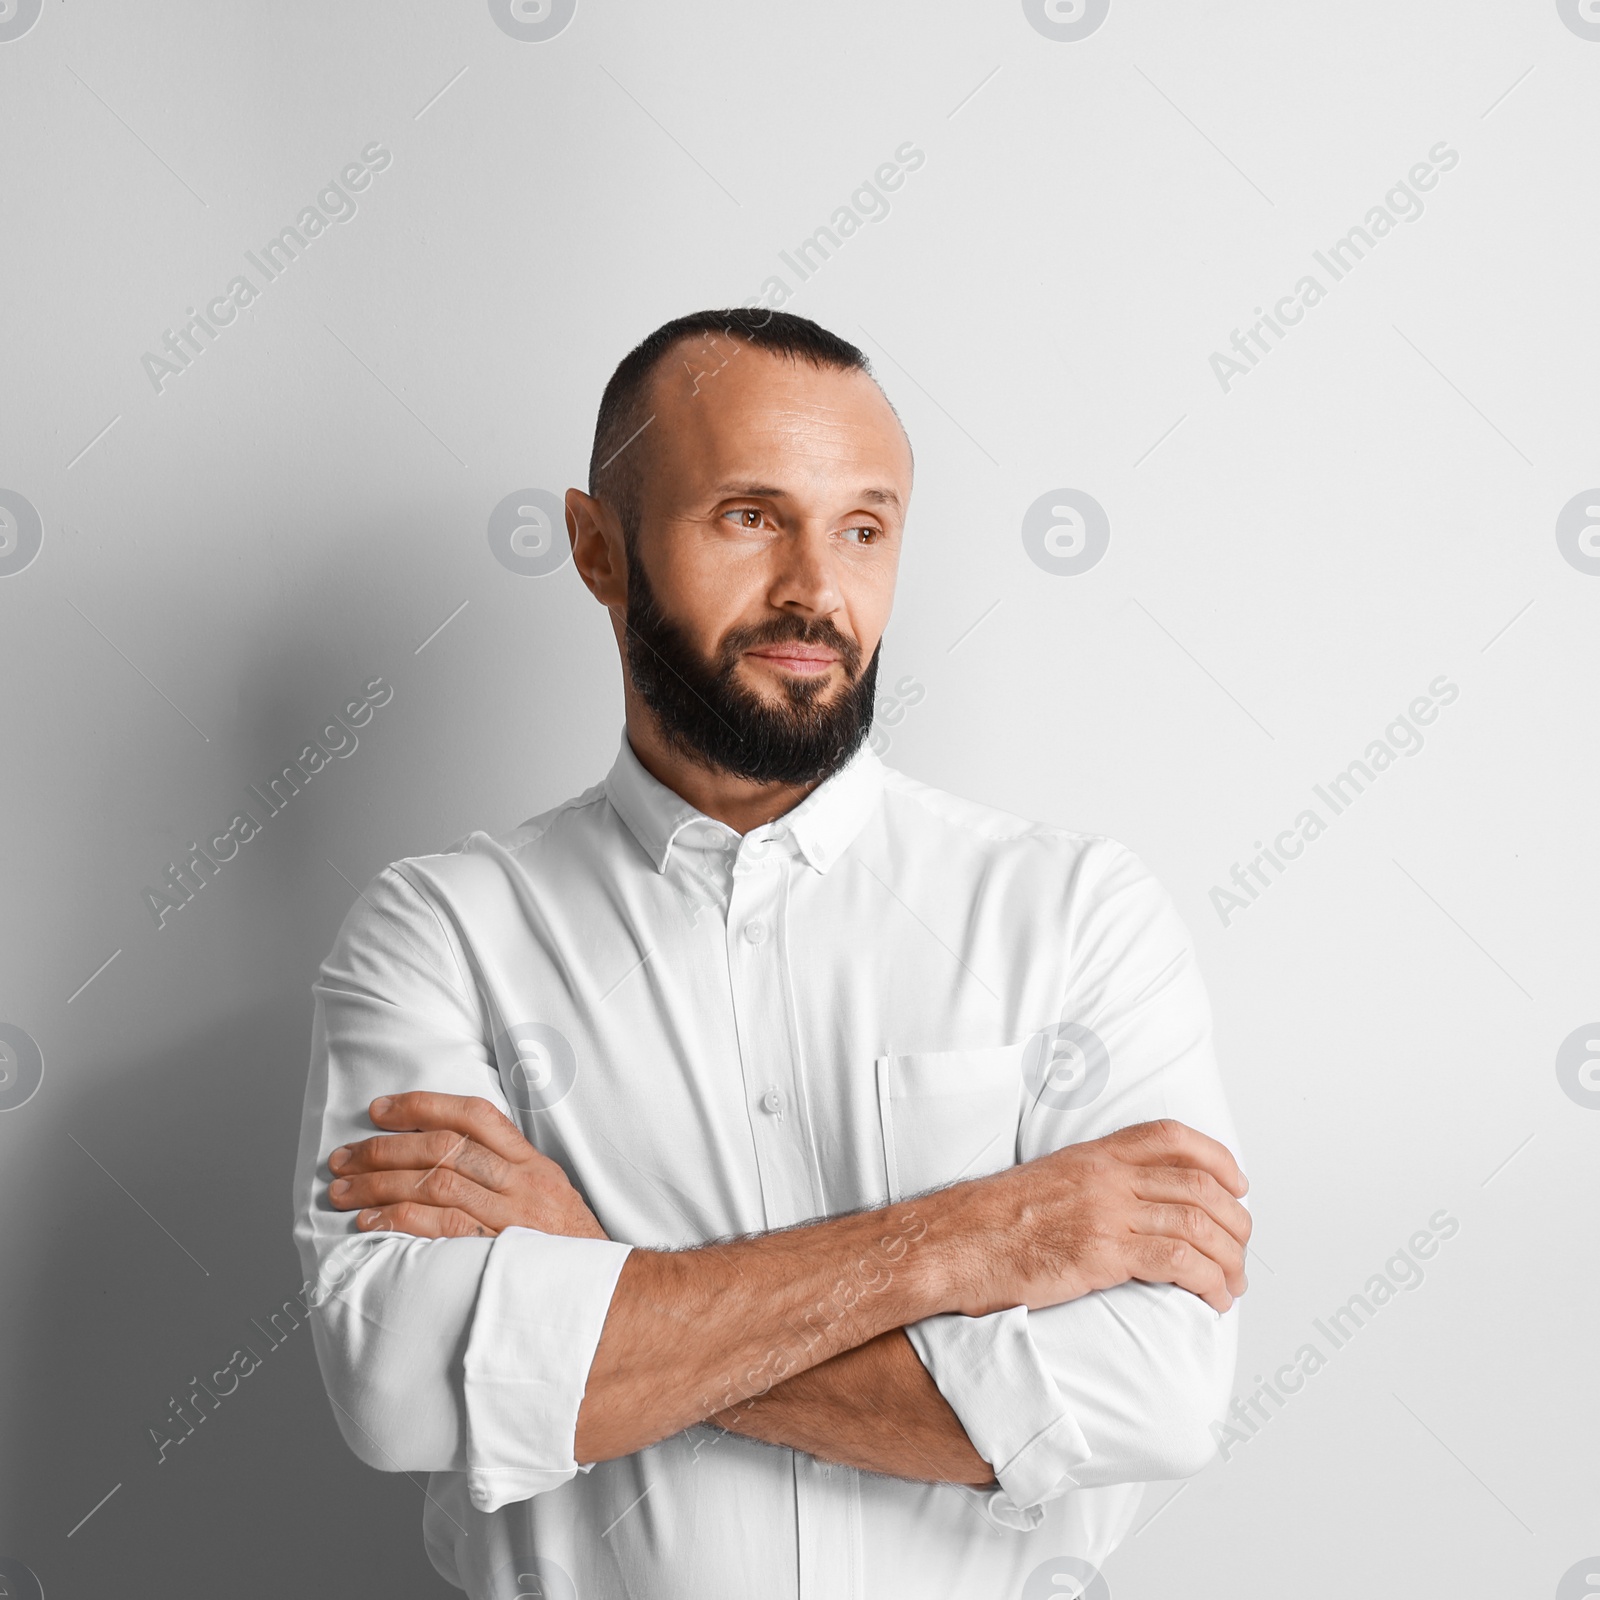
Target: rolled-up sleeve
{"type": "Point", "coordinates": [464, 1355]}
{"type": "Point", "coordinates": [1120, 1385]}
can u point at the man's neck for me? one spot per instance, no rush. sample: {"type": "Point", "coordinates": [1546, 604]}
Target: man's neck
{"type": "Point", "coordinates": [739, 802]}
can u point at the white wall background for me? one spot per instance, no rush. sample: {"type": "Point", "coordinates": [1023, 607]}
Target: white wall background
{"type": "Point", "coordinates": [224, 563]}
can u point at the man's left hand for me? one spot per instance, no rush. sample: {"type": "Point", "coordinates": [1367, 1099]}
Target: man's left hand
{"type": "Point", "coordinates": [453, 1166]}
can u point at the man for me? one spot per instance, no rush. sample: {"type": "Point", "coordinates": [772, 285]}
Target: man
{"type": "Point", "coordinates": [790, 1180]}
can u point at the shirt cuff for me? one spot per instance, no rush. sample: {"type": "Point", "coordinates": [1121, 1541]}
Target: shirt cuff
{"type": "Point", "coordinates": [995, 1380]}
{"type": "Point", "coordinates": [542, 1302]}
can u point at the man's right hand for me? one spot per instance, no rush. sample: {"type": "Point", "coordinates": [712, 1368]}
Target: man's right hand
{"type": "Point", "coordinates": [1155, 1202]}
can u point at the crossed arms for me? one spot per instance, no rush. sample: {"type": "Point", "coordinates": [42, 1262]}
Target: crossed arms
{"type": "Point", "coordinates": [796, 1337]}
{"type": "Point", "coordinates": [482, 1324]}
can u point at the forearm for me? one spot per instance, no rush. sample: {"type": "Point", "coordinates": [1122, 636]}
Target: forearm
{"type": "Point", "coordinates": [689, 1333]}
{"type": "Point", "coordinates": [694, 1332]}
{"type": "Point", "coordinates": [874, 1407]}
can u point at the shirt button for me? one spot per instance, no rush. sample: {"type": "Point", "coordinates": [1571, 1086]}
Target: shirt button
{"type": "Point", "coordinates": [755, 932]}
{"type": "Point", "coordinates": [772, 1101]}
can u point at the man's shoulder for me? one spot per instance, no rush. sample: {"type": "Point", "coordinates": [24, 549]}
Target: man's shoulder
{"type": "Point", "coordinates": [1043, 874]}
{"type": "Point", "coordinates": [480, 862]}
{"type": "Point", "coordinates": [957, 822]}
{"type": "Point", "coordinates": [471, 890]}
{"type": "Point", "coordinates": [548, 829]}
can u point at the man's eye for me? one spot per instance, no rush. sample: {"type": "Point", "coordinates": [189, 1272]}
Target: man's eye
{"type": "Point", "coordinates": [863, 535]}
{"type": "Point", "coordinates": [747, 516]}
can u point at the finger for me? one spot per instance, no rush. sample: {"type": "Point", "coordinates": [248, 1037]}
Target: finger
{"type": "Point", "coordinates": [423, 1222]}
{"type": "Point", "coordinates": [1158, 1258]}
{"type": "Point", "coordinates": [1192, 1186]}
{"type": "Point", "coordinates": [438, 1187]}
{"type": "Point", "coordinates": [1168, 1142]}
{"type": "Point", "coordinates": [422, 1152]}
{"type": "Point", "coordinates": [1195, 1227]}
{"type": "Point", "coordinates": [469, 1114]}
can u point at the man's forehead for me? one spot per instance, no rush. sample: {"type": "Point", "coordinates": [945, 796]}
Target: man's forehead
{"type": "Point", "coordinates": [742, 400]}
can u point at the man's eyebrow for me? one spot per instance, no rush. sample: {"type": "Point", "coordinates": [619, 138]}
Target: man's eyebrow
{"type": "Point", "coordinates": [765, 491]}
{"type": "Point", "coordinates": [756, 491]}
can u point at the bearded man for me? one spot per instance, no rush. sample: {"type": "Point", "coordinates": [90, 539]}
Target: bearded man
{"type": "Point", "coordinates": [790, 1180]}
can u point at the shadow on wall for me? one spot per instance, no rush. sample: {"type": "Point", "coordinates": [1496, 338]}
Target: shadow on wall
{"type": "Point", "coordinates": [263, 1497]}
{"type": "Point", "coordinates": [160, 1247]}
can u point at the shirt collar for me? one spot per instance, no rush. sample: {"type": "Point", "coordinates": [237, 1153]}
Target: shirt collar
{"type": "Point", "coordinates": [822, 825]}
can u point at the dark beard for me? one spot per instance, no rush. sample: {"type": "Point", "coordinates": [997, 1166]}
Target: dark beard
{"type": "Point", "coordinates": [706, 714]}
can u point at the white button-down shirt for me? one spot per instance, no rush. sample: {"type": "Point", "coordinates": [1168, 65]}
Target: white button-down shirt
{"type": "Point", "coordinates": [886, 990]}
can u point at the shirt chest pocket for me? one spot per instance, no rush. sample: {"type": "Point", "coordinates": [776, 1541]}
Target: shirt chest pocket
{"type": "Point", "coordinates": [948, 1115]}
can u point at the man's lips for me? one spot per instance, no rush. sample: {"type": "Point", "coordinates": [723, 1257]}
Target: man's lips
{"type": "Point", "coordinates": [797, 657]}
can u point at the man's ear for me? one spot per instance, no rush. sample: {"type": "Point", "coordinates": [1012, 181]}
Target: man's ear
{"type": "Point", "coordinates": [597, 548]}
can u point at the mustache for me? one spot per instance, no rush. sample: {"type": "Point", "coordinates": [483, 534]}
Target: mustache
{"type": "Point", "coordinates": [793, 630]}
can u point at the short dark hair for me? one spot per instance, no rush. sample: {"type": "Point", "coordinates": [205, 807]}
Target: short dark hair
{"type": "Point", "coordinates": [614, 473]}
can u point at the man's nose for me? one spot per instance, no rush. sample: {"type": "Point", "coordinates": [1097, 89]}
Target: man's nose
{"type": "Point", "coordinates": [805, 576]}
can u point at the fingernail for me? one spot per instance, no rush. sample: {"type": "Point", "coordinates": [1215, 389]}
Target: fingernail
{"type": "Point", "coordinates": [367, 1219]}
{"type": "Point", "coordinates": [339, 1156]}
{"type": "Point", "coordinates": [381, 1105]}
{"type": "Point", "coordinates": [339, 1188]}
